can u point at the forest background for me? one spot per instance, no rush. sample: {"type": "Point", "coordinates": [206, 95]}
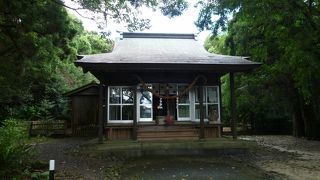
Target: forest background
{"type": "Point", "coordinates": [39, 42]}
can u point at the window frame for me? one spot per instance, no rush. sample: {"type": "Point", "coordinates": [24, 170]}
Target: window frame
{"type": "Point", "coordinates": [119, 104]}
{"type": "Point", "coordinates": [206, 104]}
{"type": "Point", "coordinates": [183, 104]}
{"type": "Point", "coordinates": [139, 105]}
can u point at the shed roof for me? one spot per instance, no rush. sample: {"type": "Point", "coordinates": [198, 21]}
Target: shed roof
{"type": "Point", "coordinates": [154, 49]}
{"type": "Point", "coordinates": [81, 89]}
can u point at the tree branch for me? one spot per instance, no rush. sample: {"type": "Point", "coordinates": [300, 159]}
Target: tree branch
{"type": "Point", "coordinates": [74, 9]}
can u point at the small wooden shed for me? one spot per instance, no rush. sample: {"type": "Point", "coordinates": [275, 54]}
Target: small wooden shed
{"type": "Point", "coordinates": [84, 109]}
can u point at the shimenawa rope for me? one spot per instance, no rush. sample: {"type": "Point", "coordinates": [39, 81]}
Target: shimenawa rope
{"type": "Point", "coordinates": [185, 91]}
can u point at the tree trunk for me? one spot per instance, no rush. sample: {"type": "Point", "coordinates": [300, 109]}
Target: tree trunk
{"type": "Point", "coordinates": [298, 125]}
{"type": "Point", "coordinates": [311, 122]}
{"type": "Point", "coordinates": [298, 129]}
{"type": "Point", "coordinates": [314, 124]}
{"type": "Point", "coordinates": [316, 112]}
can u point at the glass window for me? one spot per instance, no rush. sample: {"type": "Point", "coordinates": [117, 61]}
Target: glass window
{"type": "Point", "coordinates": [127, 112]}
{"type": "Point", "coordinates": [184, 98]}
{"type": "Point", "coordinates": [213, 112]}
{"type": "Point", "coordinates": [184, 111]}
{"type": "Point", "coordinates": [145, 112]}
{"type": "Point", "coordinates": [114, 112]}
{"type": "Point", "coordinates": [197, 111]}
{"type": "Point", "coordinates": [121, 103]}
{"type": "Point", "coordinates": [145, 106]}
{"type": "Point", "coordinates": [197, 95]}
{"type": "Point", "coordinates": [127, 95]}
{"type": "Point", "coordinates": [210, 103]}
{"type": "Point", "coordinates": [146, 97]}
{"type": "Point", "coordinates": [115, 95]}
{"type": "Point", "coordinates": [183, 103]}
{"type": "Point", "coordinates": [212, 96]}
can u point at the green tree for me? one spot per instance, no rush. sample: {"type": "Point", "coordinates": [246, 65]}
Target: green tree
{"type": "Point", "coordinates": [284, 35]}
{"type": "Point", "coordinates": [33, 39]}
{"type": "Point", "coordinates": [14, 151]}
{"type": "Point", "coordinates": [216, 44]}
{"type": "Point", "coordinates": [37, 52]}
{"type": "Point", "coordinates": [92, 43]}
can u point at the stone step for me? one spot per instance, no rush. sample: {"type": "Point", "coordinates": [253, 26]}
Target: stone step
{"type": "Point", "coordinates": [167, 134]}
{"type": "Point", "coordinates": [169, 138]}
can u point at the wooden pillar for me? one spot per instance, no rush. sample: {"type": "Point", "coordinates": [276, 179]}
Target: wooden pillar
{"type": "Point", "coordinates": [105, 109]}
{"type": "Point", "coordinates": [233, 107]}
{"type": "Point", "coordinates": [135, 123]}
{"type": "Point", "coordinates": [100, 124]}
{"type": "Point", "coordinates": [220, 109]}
{"type": "Point", "coordinates": [200, 92]}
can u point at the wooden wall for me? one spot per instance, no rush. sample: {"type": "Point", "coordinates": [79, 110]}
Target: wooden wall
{"type": "Point", "coordinates": [85, 112]}
{"type": "Point", "coordinates": [124, 131]}
{"type": "Point", "coordinates": [212, 132]}
{"type": "Point", "coordinates": [121, 132]}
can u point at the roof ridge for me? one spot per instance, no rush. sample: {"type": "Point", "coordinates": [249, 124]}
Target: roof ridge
{"type": "Point", "coordinates": [159, 35]}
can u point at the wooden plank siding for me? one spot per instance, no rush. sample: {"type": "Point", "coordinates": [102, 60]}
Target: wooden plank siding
{"type": "Point", "coordinates": [120, 132]}
{"type": "Point", "coordinates": [212, 131]}
{"type": "Point", "coordinates": [149, 132]}
{"type": "Point", "coordinates": [85, 112]}
{"type": "Point", "coordinates": [175, 132]}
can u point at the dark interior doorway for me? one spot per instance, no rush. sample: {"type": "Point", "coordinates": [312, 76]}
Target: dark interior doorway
{"type": "Point", "coordinates": [165, 107]}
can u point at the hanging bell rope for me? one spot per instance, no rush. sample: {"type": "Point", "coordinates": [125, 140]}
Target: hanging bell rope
{"type": "Point", "coordinates": [179, 94]}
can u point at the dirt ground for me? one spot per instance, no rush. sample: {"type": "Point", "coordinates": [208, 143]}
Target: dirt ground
{"type": "Point", "coordinates": [70, 164]}
{"type": "Point", "coordinates": [284, 156]}
{"type": "Point", "coordinates": [295, 158]}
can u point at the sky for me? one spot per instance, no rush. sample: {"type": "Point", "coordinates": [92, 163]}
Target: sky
{"type": "Point", "coordinates": [159, 23]}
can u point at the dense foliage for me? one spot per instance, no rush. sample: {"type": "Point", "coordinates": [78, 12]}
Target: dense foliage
{"type": "Point", "coordinates": [39, 42]}
{"type": "Point", "coordinates": [38, 45]}
{"type": "Point", "coordinates": [284, 35]}
{"type": "Point", "coordinates": [14, 152]}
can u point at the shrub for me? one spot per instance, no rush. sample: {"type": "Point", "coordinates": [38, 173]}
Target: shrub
{"type": "Point", "coordinates": [14, 152]}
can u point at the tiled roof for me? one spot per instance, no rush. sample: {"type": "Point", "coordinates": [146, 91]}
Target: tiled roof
{"type": "Point", "coordinates": [153, 48]}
